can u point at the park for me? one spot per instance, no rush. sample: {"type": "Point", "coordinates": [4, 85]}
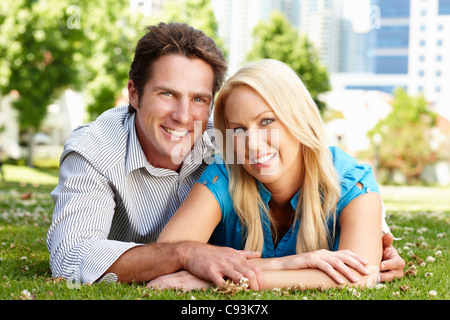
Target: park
{"type": "Point", "coordinates": [418, 216]}
{"type": "Point", "coordinates": [50, 48]}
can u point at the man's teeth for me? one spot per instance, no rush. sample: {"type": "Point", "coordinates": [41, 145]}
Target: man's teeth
{"type": "Point", "coordinates": [177, 133]}
{"type": "Point", "coordinates": [265, 158]}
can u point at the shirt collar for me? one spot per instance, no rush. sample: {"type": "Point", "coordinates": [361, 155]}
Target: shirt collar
{"type": "Point", "coordinates": [266, 195]}
{"type": "Point", "coordinates": [135, 157]}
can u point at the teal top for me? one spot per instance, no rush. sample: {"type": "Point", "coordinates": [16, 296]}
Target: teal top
{"type": "Point", "coordinates": [231, 233]}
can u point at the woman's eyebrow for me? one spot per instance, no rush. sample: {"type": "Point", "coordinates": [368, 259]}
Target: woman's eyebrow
{"type": "Point", "coordinates": [252, 119]}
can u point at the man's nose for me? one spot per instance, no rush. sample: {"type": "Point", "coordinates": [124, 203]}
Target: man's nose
{"type": "Point", "coordinates": [182, 111]}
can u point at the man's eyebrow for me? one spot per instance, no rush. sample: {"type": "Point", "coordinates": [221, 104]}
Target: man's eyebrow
{"type": "Point", "coordinates": [176, 92]}
{"type": "Point", "coordinates": [202, 95]}
{"type": "Point", "coordinates": [165, 89]}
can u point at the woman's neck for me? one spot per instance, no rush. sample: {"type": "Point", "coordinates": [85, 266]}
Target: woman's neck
{"type": "Point", "coordinates": [285, 189]}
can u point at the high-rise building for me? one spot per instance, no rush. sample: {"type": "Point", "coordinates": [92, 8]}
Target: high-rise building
{"type": "Point", "coordinates": [324, 24]}
{"type": "Point", "coordinates": [237, 19]}
{"type": "Point", "coordinates": [429, 50]}
{"type": "Point", "coordinates": [409, 49]}
{"type": "Point", "coordinates": [146, 7]}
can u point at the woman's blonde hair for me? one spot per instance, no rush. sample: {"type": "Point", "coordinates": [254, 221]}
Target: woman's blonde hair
{"type": "Point", "coordinates": [291, 102]}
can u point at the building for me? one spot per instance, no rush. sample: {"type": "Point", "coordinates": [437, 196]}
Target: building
{"type": "Point", "coordinates": [429, 52]}
{"type": "Point", "coordinates": [409, 49]}
{"type": "Point", "coordinates": [238, 18]}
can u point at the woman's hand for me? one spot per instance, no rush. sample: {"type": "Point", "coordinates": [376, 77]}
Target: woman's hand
{"type": "Point", "coordinates": [179, 280]}
{"type": "Point", "coordinates": [334, 263]}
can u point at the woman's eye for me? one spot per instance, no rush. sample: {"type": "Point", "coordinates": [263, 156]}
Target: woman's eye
{"type": "Point", "coordinates": [265, 122]}
{"type": "Point", "coordinates": [238, 130]}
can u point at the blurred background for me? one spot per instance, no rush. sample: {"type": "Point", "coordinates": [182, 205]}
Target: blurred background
{"type": "Point", "coordinates": [379, 70]}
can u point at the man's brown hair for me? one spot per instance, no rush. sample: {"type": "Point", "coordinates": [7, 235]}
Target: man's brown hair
{"type": "Point", "coordinates": [174, 38]}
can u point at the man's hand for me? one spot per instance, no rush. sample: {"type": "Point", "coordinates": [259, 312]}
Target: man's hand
{"type": "Point", "coordinates": [179, 280]}
{"type": "Point", "coordinates": [392, 264]}
{"type": "Point", "coordinates": [216, 264]}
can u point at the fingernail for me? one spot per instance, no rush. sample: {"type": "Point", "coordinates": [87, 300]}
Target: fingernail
{"type": "Point", "coordinates": [366, 271]}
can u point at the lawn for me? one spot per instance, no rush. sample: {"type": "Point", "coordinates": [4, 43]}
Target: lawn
{"type": "Point", "coordinates": [417, 215]}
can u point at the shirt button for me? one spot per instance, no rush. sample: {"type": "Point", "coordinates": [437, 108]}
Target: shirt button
{"type": "Point", "coordinates": [368, 190]}
{"type": "Point", "coordinates": [205, 182]}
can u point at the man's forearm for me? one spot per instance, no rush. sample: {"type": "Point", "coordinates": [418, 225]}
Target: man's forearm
{"type": "Point", "coordinates": [144, 263]}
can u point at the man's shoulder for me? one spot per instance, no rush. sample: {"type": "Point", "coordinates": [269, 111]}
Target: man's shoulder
{"type": "Point", "coordinates": [102, 141]}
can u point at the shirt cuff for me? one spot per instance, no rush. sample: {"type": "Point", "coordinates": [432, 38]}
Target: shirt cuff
{"type": "Point", "coordinates": [100, 257]}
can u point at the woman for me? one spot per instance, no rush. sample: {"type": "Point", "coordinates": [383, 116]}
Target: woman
{"type": "Point", "coordinates": [312, 211]}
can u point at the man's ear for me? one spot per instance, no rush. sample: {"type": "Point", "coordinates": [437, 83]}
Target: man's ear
{"type": "Point", "coordinates": [133, 94]}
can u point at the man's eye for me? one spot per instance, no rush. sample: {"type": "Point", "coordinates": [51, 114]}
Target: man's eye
{"type": "Point", "coordinates": [167, 94]}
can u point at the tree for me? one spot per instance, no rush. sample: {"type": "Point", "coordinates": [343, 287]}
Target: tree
{"type": "Point", "coordinates": [277, 39]}
{"type": "Point", "coordinates": [37, 51]}
{"type": "Point", "coordinates": [110, 34]}
{"type": "Point", "coordinates": [403, 138]}
{"type": "Point", "coordinates": [48, 46]}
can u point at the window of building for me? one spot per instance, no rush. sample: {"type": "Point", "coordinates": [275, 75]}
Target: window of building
{"type": "Point", "coordinates": [391, 64]}
{"type": "Point", "coordinates": [444, 7]}
{"type": "Point", "coordinates": [393, 8]}
{"type": "Point", "coordinates": [393, 37]}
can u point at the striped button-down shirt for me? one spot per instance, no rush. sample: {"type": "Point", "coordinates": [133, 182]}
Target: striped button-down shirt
{"type": "Point", "coordinates": [110, 199]}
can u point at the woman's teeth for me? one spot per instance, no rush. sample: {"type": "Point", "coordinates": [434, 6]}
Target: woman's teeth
{"type": "Point", "coordinates": [264, 159]}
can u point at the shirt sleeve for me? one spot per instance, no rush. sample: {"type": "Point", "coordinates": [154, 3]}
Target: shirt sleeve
{"type": "Point", "coordinates": [351, 173]}
{"type": "Point", "coordinates": [215, 178]}
{"type": "Point", "coordinates": [78, 235]}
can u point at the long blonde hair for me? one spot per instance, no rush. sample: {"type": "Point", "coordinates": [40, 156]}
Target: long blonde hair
{"type": "Point", "coordinates": [286, 94]}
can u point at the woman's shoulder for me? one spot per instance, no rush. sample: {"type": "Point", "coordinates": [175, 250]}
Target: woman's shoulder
{"type": "Point", "coordinates": [216, 168]}
{"type": "Point", "coordinates": [351, 173]}
{"type": "Point", "coordinates": [346, 165]}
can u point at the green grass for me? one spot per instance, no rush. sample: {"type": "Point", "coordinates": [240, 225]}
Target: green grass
{"type": "Point", "coordinates": [419, 216]}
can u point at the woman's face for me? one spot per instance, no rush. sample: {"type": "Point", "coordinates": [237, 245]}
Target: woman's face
{"type": "Point", "coordinates": [262, 143]}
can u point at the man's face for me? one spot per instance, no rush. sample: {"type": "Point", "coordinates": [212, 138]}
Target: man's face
{"type": "Point", "coordinates": [174, 108]}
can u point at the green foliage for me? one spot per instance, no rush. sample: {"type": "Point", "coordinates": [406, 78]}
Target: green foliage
{"type": "Point", "coordinates": [110, 34]}
{"type": "Point", "coordinates": [404, 137]}
{"type": "Point", "coordinates": [277, 39]}
{"type": "Point", "coordinates": [48, 46]}
{"type": "Point", "coordinates": [37, 51]}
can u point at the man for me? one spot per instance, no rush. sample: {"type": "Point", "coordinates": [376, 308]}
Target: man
{"type": "Point", "coordinates": [124, 175]}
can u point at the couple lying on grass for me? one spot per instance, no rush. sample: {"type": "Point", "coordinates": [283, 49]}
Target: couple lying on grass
{"type": "Point", "coordinates": [138, 202]}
